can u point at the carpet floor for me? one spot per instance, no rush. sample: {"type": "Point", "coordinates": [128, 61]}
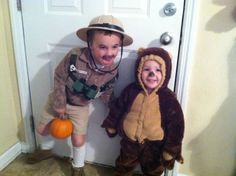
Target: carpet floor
{"type": "Point", "coordinates": [51, 167]}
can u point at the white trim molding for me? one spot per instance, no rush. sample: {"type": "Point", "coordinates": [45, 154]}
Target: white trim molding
{"type": "Point", "coordinates": [186, 52]}
{"type": "Point", "coordinates": [9, 155]}
{"type": "Point", "coordinates": [22, 75]}
{"type": "Point", "coordinates": [182, 175]}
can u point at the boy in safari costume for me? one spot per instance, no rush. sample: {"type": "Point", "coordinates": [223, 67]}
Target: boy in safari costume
{"type": "Point", "coordinates": [83, 75]}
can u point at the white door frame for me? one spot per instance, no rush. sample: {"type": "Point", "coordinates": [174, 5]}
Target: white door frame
{"type": "Point", "coordinates": [182, 77]}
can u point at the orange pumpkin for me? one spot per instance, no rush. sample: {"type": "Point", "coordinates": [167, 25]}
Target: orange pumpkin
{"type": "Point", "coordinates": [61, 128]}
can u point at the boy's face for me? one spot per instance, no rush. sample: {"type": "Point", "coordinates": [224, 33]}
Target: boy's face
{"type": "Point", "coordinates": [151, 75]}
{"type": "Point", "coordinates": [105, 47]}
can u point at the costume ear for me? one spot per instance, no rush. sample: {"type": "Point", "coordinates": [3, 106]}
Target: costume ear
{"type": "Point", "coordinates": [171, 56]}
{"type": "Point", "coordinates": [141, 50]}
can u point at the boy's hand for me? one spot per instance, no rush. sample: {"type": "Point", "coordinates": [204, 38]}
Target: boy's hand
{"type": "Point", "coordinates": [111, 132]}
{"type": "Point", "coordinates": [61, 112]}
{"type": "Point", "coordinates": [168, 160]}
{"type": "Point", "coordinates": [167, 156]}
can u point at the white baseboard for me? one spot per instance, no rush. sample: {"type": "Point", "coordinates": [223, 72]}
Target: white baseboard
{"type": "Point", "coordinates": [182, 175]}
{"type": "Point", "coordinates": [26, 148]}
{"type": "Point", "coordinates": [9, 155]}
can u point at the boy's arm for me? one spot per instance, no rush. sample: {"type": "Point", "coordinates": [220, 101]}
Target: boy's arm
{"type": "Point", "coordinates": [108, 95]}
{"type": "Point", "coordinates": [60, 77]}
{"type": "Point", "coordinates": [117, 108]}
{"type": "Point", "coordinates": [112, 120]}
{"type": "Point", "coordinates": [174, 133]}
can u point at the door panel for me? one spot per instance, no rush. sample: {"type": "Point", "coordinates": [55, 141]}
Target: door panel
{"type": "Point", "coordinates": [50, 27]}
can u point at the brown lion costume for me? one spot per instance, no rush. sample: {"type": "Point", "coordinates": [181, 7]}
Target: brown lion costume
{"type": "Point", "coordinates": [151, 125]}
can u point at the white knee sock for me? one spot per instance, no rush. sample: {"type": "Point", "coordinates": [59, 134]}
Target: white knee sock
{"type": "Point", "coordinates": [46, 142]}
{"type": "Point", "coordinates": [79, 156]}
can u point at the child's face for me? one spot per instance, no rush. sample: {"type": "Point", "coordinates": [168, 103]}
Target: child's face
{"type": "Point", "coordinates": [151, 75]}
{"type": "Point", "coordinates": [105, 47]}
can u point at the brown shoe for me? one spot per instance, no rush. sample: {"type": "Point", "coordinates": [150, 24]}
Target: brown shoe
{"type": "Point", "coordinates": [78, 171]}
{"type": "Point", "coordinates": [39, 155]}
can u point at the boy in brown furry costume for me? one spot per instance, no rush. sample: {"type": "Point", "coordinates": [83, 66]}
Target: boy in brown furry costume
{"type": "Point", "coordinates": [148, 117]}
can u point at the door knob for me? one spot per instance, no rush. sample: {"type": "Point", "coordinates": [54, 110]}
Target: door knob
{"type": "Point", "coordinates": [169, 9]}
{"type": "Point", "coordinates": [166, 38]}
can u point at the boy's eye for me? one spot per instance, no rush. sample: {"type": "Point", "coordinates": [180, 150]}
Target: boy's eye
{"type": "Point", "coordinates": [102, 47]}
{"type": "Point", "coordinates": [146, 69]}
{"type": "Point", "coordinates": [149, 70]}
{"type": "Point", "coordinates": [116, 46]}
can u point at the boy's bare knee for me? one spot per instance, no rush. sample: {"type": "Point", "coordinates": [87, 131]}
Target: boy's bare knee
{"type": "Point", "coordinates": [42, 129]}
{"type": "Point", "coordinates": [78, 140]}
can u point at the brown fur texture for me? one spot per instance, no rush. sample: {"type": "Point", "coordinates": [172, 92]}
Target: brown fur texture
{"type": "Point", "coordinates": [165, 150]}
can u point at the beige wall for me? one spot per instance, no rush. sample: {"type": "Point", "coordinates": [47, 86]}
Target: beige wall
{"type": "Point", "coordinates": [210, 137]}
{"type": "Point", "coordinates": [10, 114]}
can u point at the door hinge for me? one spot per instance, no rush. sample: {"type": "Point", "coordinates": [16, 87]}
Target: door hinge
{"type": "Point", "coordinates": [18, 4]}
{"type": "Point", "coordinates": [32, 123]}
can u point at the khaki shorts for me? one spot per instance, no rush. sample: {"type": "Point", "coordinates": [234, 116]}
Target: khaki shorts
{"type": "Point", "coordinates": [79, 116]}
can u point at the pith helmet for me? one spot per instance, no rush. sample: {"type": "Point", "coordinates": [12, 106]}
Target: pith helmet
{"type": "Point", "coordinates": [105, 22]}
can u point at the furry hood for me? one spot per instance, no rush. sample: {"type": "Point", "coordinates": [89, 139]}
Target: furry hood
{"type": "Point", "coordinates": [159, 55]}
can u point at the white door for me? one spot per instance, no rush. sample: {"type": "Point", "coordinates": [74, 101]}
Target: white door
{"type": "Point", "coordinates": [49, 29]}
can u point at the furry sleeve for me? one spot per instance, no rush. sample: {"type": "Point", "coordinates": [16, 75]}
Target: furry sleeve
{"type": "Point", "coordinates": [119, 106]}
{"type": "Point", "coordinates": [173, 123]}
